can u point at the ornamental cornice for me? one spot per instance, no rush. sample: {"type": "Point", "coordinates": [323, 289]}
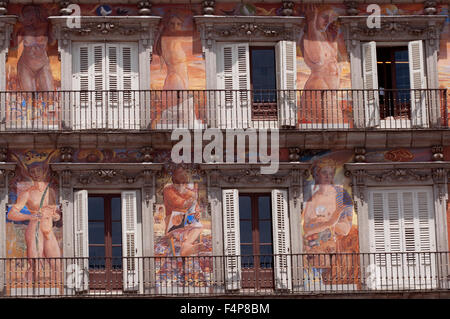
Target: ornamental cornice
{"type": "Point", "coordinates": [248, 28]}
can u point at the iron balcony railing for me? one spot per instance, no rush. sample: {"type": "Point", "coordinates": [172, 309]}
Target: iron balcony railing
{"type": "Point", "coordinates": [256, 275]}
{"type": "Point", "coordinates": [343, 109]}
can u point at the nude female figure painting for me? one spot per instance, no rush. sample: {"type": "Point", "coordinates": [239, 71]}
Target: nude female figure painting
{"type": "Point", "coordinates": [37, 194]}
{"type": "Point", "coordinates": [33, 66]}
{"type": "Point", "coordinates": [320, 50]}
{"type": "Point", "coordinates": [177, 105]}
{"type": "Point", "coordinates": [327, 217]}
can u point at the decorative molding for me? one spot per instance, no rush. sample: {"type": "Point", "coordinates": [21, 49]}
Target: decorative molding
{"type": "Point", "coordinates": [141, 28]}
{"type": "Point", "coordinates": [63, 7]}
{"type": "Point", "coordinates": [106, 173]}
{"type": "Point", "coordinates": [3, 154]}
{"type": "Point", "coordinates": [352, 8]}
{"type": "Point", "coordinates": [66, 154]}
{"type": "Point", "coordinates": [430, 7]}
{"type": "Point", "coordinates": [146, 154]}
{"type": "Point", "coordinates": [360, 155]}
{"type": "Point", "coordinates": [393, 28]}
{"type": "Point", "coordinates": [208, 7]}
{"type": "Point", "coordinates": [250, 29]}
{"type": "Point", "coordinates": [294, 154]}
{"type": "Point", "coordinates": [4, 7]}
{"type": "Point", "coordinates": [7, 23]}
{"type": "Point", "coordinates": [145, 8]}
{"type": "Point", "coordinates": [287, 7]}
{"type": "Point", "coordinates": [7, 170]}
{"type": "Point", "coordinates": [438, 152]}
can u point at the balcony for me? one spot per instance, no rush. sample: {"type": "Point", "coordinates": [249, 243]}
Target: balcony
{"type": "Point", "coordinates": [262, 275]}
{"type": "Point", "coordinates": [305, 110]}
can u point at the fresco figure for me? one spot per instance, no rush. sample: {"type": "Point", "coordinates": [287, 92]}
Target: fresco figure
{"type": "Point", "coordinates": [33, 66]}
{"type": "Point", "coordinates": [182, 213]}
{"type": "Point", "coordinates": [320, 51]}
{"type": "Point", "coordinates": [176, 107]}
{"type": "Point", "coordinates": [40, 200]}
{"type": "Point", "coordinates": [327, 215]}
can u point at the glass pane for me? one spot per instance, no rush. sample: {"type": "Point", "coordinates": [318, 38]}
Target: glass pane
{"type": "Point", "coordinates": [263, 75]}
{"type": "Point", "coordinates": [264, 207]}
{"type": "Point", "coordinates": [116, 233]}
{"type": "Point", "coordinates": [117, 257]}
{"type": "Point", "coordinates": [96, 257]}
{"type": "Point", "coordinates": [116, 208]}
{"type": "Point", "coordinates": [265, 231]}
{"type": "Point", "coordinates": [96, 233]}
{"type": "Point", "coordinates": [402, 74]}
{"type": "Point", "coordinates": [247, 256]}
{"type": "Point", "coordinates": [245, 207]}
{"type": "Point", "coordinates": [246, 231]}
{"type": "Point", "coordinates": [95, 208]}
{"type": "Point", "coordinates": [266, 258]}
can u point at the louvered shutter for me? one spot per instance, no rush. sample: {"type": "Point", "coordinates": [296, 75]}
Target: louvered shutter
{"type": "Point", "coordinates": [129, 240]}
{"type": "Point", "coordinates": [233, 79]}
{"type": "Point", "coordinates": [81, 240]}
{"type": "Point", "coordinates": [130, 85]}
{"type": "Point", "coordinates": [99, 103]}
{"type": "Point", "coordinates": [82, 79]}
{"type": "Point", "coordinates": [419, 114]}
{"type": "Point", "coordinates": [401, 231]}
{"type": "Point", "coordinates": [370, 77]}
{"type": "Point", "coordinates": [232, 246]}
{"type": "Point", "coordinates": [286, 52]}
{"type": "Point", "coordinates": [280, 224]}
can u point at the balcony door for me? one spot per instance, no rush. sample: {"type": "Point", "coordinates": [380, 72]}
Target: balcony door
{"type": "Point", "coordinates": [255, 221]}
{"type": "Point", "coordinates": [105, 241]}
{"type": "Point", "coordinates": [105, 82]}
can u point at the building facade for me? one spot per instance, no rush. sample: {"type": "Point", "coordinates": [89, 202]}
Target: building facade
{"type": "Point", "coordinates": [118, 175]}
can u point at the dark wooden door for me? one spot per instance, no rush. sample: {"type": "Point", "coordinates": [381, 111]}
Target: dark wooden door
{"type": "Point", "coordinates": [105, 241]}
{"type": "Point", "coordinates": [255, 220]}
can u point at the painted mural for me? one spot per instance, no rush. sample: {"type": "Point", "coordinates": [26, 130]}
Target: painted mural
{"type": "Point", "coordinates": [182, 227]}
{"type": "Point", "coordinates": [329, 223]}
{"type": "Point", "coordinates": [178, 65]}
{"type": "Point", "coordinates": [33, 221]}
{"type": "Point", "coordinates": [399, 155]}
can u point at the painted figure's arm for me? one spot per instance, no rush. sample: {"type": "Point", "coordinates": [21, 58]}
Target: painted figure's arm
{"type": "Point", "coordinates": [15, 215]}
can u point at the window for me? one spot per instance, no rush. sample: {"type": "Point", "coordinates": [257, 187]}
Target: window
{"type": "Point", "coordinates": [105, 241]}
{"type": "Point", "coordinates": [401, 230]}
{"type": "Point", "coordinates": [255, 226]}
{"type": "Point", "coordinates": [106, 229]}
{"type": "Point", "coordinates": [250, 77]}
{"type": "Point", "coordinates": [394, 80]}
{"type": "Point", "coordinates": [263, 83]}
{"type": "Point", "coordinates": [106, 78]}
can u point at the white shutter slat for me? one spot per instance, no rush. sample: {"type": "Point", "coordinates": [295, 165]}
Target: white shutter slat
{"type": "Point", "coordinates": [129, 83]}
{"type": "Point", "coordinates": [129, 240]}
{"type": "Point", "coordinates": [232, 249]}
{"type": "Point", "coordinates": [280, 224]}
{"type": "Point", "coordinates": [286, 52]}
{"type": "Point", "coordinates": [81, 244]}
{"type": "Point", "coordinates": [233, 77]}
{"type": "Point", "coordinates": [419, 114]}
{"type": "Point", "coordinates": [370, 77]}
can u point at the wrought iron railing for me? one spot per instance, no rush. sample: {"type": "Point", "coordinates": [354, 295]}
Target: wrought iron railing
{"type": "Point", "coordinates": [262, 275]}
{"type": "Point", "coordinates": [343, 109]}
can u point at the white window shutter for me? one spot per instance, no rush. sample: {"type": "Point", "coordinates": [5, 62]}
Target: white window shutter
{"type": "Point", "coordinates": [402, 221]}
{"type": "Point", "coordinates": [370, 77]}
{"type": "Point", "coordinates": [82, 80]}
{"type": "Point", "coordinates": [129, 83]}
{"type": "Point", "coordinates": [81, 244]}
{"type": "Point", "coordinates": [112, 74]}
{"type": "Point", "coordinates": [232, 249]}
{"type": "Point", "coordinates": [419, 114]}
{"type": "Point", "coordinates": [280, 224]}
{"type": "Point", "coordinates": [286, 52]}
{"type": "Point", "coordinates": [130, 241]}
{"type": "Point", "coordinates": [233, 76]}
